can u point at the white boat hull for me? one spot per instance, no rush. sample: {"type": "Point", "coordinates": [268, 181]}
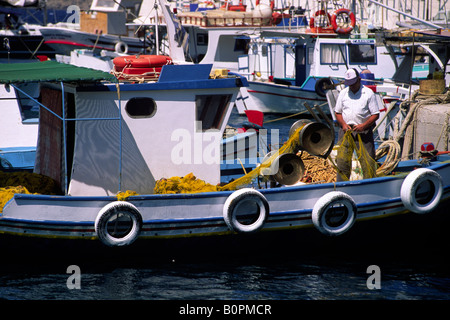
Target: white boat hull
{"type": "Point", "coordinates": [64, 40]}
{"type": "Point", "coordinates": [187, 215]}
{"type": "Point", "coordinates": [277, 98]}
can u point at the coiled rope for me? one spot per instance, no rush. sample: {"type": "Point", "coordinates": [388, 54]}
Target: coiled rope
{"type": "Point", "coordinates": [391, 149]}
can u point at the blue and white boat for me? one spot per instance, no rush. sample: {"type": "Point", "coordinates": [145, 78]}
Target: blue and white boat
{"type": "Point", "coordinates": [287, 67]}
{"type": "Point", "coordinates": [99, 137]}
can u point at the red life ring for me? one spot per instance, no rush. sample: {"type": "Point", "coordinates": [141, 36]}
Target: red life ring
{"type": "Point", "coordinates": [142, 61]}
{"type": "Point", "coordinates": [147, 67]}
{"type": "Point", "coordinates": [272, 4]}
{"type": "Point", "coordinates": [319, 13]}
{"type": "Point", "coordinates": [350, 15]}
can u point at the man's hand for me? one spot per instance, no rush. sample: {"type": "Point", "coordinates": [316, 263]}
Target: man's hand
{"type": "Point", "coordinates": [366, 125]}
{"type": "Point", "coordinates": [342, 123]}
{"type": "Point", "coordinates": [359, 127]}
{"type": "Point", "coordinates": [346, 127]}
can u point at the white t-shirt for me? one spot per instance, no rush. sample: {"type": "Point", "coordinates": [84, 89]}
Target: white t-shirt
{"type": "Point", "coordinates": [357, 107]}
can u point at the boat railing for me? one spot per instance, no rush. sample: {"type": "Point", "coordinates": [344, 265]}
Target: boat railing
{"type": "Point", "coordinates": [227, 19]}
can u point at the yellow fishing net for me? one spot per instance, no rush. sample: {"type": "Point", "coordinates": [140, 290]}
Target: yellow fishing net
{"type": "Point", "coordinates": [7, 193]}
{"type": "Point", "coordinates": [366, 166]}
{"type": "Point", "coordinates": [122, 196]}
{"type": "Point", "coordinates": [186, 184]}
{"type": "Point", "coordinates": [24, 182]}
{"type": "Point", "coordinates": [190, 184]}
{"type": "Point", "coordinates": [291, 146]}
{"type": "Point", "coordinates": [317, 170]}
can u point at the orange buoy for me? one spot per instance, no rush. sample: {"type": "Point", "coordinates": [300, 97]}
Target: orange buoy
{"type": "Point", "coordinates": [345, 12]}
{"type": "Point", "coordinates": [142, 61]}
{"type": "Point", "coordinates": [325, 29]}
{"type": "Point", "coordinates": [147, 67]}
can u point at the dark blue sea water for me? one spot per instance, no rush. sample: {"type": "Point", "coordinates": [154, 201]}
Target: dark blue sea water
{"type": "Point", "coordinates": [281, 279]}
{"type": "Point", "coordinates": [418, 275]}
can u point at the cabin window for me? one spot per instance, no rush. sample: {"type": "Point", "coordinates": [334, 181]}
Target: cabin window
{"type": "Point", "coordinates": [362, 53]}
{"type": "Point", "coordinates": [28, 103]}
{"type": "Point", "coordinates": [106, 5]}
{"type": "Point", "coordinates": [141, 107]}
{"type": "Point", "coordinates": [241, 45]}
{"type": "Point", "coordinates": [310, 55]}
{"type": "Point", "coordinates": [211, 109]}
{"type": "Point", "coordinates": [264, 50]}
{"type": "Point", "coordinates": [332, 54]}
{"type": "Point", "coordinates": [202, 39]}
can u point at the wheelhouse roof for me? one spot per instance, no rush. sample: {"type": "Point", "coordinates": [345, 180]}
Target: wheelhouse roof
{"type": "Point", "coordinates": [49, 71]}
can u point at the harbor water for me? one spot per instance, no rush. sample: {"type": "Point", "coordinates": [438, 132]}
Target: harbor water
{"type": "Point", "coordinates": [288, 275]}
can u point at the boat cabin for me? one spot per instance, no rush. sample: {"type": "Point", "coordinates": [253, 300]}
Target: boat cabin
{"type": "Point", "coordinates": [99, 138]}
{"type": "Point", "coordinates": [294, 60]}
{"type": "Point", "coordinates": [110, 17]}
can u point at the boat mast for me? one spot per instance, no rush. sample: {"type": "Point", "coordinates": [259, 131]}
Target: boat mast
{"type": "Point", "coordinates": [406, 15]}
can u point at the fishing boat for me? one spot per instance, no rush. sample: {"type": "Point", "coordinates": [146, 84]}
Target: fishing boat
{"type": "Point", "coordinates": [203, 26]}
{"type": "Point", "coordinates": [19, 39]}
{"type": "Point", "coordinates": [63, 40]}
{"type": "Point", "coordinates": [285, 72]}
{"type": "Point", "coordinates": [103, 27]}
{"type": "Point", "coordinates": [285, 64]}
{"type": "Point", "coordinates": [20, 119]}
{"type": "Point", "coordinates": [113, 150]}
{"type": "Point", "coordinates": [287, 69]}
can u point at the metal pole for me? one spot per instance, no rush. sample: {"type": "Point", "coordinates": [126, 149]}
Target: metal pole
{"type": "Point", "coordinates": [412, 63]}
{"type": "Point", "coordinates": [406, 15]}
{"type": "Point", "coordinates": [120, 136]}
{"type": "Point", "coordinates": [156, 27]}
{"type": "Point", "coordinates": [120, 147]}
{"type": "Point", "coordinates": [64, 139]}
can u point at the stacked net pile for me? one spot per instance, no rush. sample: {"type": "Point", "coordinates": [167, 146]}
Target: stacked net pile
{"type": "Point", "coordinates": [24, 182]}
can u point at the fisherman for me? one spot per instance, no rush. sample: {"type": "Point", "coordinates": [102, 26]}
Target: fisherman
{"type": "Point", "coordinates": [356, 110]}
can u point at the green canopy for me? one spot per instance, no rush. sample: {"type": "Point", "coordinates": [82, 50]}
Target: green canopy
{"type": "Point", "coordinates": [49, 71]}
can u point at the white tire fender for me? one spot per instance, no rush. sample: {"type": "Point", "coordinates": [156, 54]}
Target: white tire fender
{"type": "Point", "coordinates": [334, 213]}
{"type": "Point", "coordinates": [113, 214]}
{"type": "Point", "coordinates": [411, 186]}
{"type": "Point", "coordinates": [239, 199]}
{"type": "Point", "coordinates": [121, 47]}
